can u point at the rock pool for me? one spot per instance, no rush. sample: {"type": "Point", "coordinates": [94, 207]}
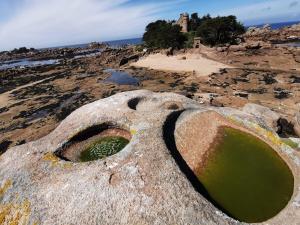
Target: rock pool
{"type": "Point", "coordinates": [102, 148]}
{"type": "Point", "coordinates": [120, 78]}
{"type": "Point", "coordinates": [246, 177]}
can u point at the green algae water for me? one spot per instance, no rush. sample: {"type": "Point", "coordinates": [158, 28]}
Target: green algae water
{"type": "Point", "coordinates": [246, 177]}
{"type": "Point", "coordinates": [102, 148]}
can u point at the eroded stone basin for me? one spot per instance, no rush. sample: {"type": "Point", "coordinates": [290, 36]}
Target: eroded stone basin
{"type": "Point", "coordinates": [242, 175]}
{"type": "Point", "coordinates": [103, 147]}
{"type": "Point", "coordinates": [148, 182]}
{"type": "Point", "coordinates": [95, 143]}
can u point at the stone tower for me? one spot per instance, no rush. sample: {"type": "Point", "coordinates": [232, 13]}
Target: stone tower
{"type": "Point", "coordinates": [184, 22]}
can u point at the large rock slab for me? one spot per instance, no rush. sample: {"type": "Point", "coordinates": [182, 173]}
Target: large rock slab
{"type": "Point", "coordinates": [142, 184]}
{"type": "Point", "coordinates": [270, 117]}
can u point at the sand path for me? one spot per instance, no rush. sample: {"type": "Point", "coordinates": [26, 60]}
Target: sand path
{"type": "Point", "coordinates": [6, 100]}
{"type": "Point", "coordinates": [181, 63]}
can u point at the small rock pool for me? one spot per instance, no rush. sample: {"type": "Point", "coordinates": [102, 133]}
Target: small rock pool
{"type": "Point", "coordinates": [120, 78]}
{"type": "Point", "coordinates": [245, 177]}
{"type": "Point", "coordinates": [102, 148]}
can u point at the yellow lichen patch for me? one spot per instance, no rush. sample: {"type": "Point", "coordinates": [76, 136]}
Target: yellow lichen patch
{"type": "Point", "coordinates": [269, 135]}
{"type": "Point", "coordinates": [15, 214]}
{"type": "Point", "coordinates": [133, 132]}
{"type": "Point", "coordinates": [51, 158]}
{"type": "Point", "coordinates": [5, 187]}
{"type": "Point", "coordinates": [55, 161]}
{"type": "Point", "coordinates": [67, 165]}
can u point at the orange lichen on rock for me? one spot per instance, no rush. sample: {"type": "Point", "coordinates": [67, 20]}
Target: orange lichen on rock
{"type": "Point", "coordinates": [54, 160]}
{"type": "Point", "coordinates": [5, 187]}
{"type": "Point", "coordinates": [15, 214]}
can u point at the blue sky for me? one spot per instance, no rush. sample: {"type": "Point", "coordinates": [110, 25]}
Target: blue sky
{"type": "Point", "coordinates": [43, 23]}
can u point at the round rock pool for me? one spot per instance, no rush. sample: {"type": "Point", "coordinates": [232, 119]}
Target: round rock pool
{"type": "Point", "coordinates": [94, 143]}
{"type": "Point", "coordinates": [241, 174]}
{"type": "Point", "coordinates": [103, 147]}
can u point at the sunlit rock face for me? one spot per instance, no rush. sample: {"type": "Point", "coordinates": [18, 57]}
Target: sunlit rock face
{"type": "Point", "coordinates": [140, 158]}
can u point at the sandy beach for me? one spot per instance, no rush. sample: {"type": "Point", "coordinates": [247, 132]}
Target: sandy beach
{"type": "Point", "coordinates": [181, 63]}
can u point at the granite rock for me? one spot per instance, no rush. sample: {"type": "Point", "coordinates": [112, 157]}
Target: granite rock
{"type": "Point", "coordinates": [142, 184]}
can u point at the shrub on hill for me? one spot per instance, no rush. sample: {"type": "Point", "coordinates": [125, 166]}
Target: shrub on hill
{"type": "Point", "coordinates": [163, 34]}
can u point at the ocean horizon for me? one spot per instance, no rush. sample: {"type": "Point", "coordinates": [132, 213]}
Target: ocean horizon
{"type": "Point", "coordinates": [139, 40]}
{"type": "Point", "coordinates": [114, 43]}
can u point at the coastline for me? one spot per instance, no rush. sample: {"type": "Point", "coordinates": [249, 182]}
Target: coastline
{"type": "Point", "coordinates": [38, 97]}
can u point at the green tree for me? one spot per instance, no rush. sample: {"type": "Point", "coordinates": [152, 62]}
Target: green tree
{"type": "Point", "coordinates": [163, 34]}
{"type": "Point", "coordinates": [205, 17]}
{"type": "Point", "coordinates": [220, 30]}
{"type": "Point", "coordinates": [189, 39]}
{"type": "Point", "coordinates": [195, 21]}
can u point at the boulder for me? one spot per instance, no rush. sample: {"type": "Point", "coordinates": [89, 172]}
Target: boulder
{"type": "Point", "coordinates": [296, 123]}
{"type": "Point", "coordinates": [241, 94]}
{"type": "Point", "coordinates": [285, 128]}
{"type": "Point", "coordinates": [126, 60]}
{"type": "Point", "coordinates": [253, 45]}
{"type": "Point", "coordinates": [237, 48]}
{"type": "Point", "coordinates": [4, 145]}
{"type": "Point", "coordinates": [222, 49]}
{"type": "Point", "coordinates": [97, 45]}
{"type": "Point", "coordinates": [216, 103]}
{"type": "Point", "coordinates": [269, 116]}
{"type": "Point", "coordinates": [281, 93]}
{"type": "Point", "coordinates": [147, 182]}
{"type": "Point", "coordinates": [267, 27]}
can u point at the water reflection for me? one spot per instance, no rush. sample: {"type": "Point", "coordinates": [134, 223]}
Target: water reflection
{"type": "Point", "coordinates": [120, 78]}
{"type": "Point", "coordinates": [27, 63]}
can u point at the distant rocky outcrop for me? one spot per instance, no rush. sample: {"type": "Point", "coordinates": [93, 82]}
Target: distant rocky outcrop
{"type": "Point", "coordinates": [97, 45]}
{"type": "Point", "coordinates": [22, 50]}
{"type": "Point", "coordinates": [265, 33]}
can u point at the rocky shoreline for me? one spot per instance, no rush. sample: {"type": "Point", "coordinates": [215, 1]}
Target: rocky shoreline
{"type": "Point", "coordinates": [35, 99]}
{"type": "Point", "coordinates": [267, 34]}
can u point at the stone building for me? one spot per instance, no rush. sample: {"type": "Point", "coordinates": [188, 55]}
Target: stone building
{"type": "Point", "coordinates": [197, 42]}
{"type": "Point", "coordinates": [183, 21]}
